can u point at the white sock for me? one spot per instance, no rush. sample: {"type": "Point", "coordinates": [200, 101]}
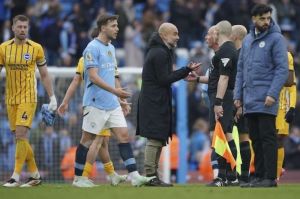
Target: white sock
{"type": "Point", "coordinates": [35, 175]}
{"type": "Point", "coordinates": [16, 176]}
{"type": "Point", "coordinates": [134, 174]}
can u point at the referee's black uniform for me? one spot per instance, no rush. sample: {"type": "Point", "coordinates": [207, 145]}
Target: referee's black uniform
{"type": "Point", "coordinates": [223, 63]}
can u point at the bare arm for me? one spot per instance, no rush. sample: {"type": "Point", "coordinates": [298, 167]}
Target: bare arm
{"type": "Point", "coordinates": [126, 108]}
{"type": "Point", "coordinates": [72, 88]}
{"type": "Point", "coordinates": [70, 92]}
{"type": "Point", "coordinates": [202, 79]}
{"type": "Point", "coordinates": [94, 77]}
{"type": "Point", "coordinates": [222, 86]}
{"type": "Point", "coordinates": [46, 80]}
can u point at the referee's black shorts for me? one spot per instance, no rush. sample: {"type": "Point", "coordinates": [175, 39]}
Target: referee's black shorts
{"type": "Point", "coordinates": [227, 119]}
{"type": "Point", "coordinates": [242, 125]}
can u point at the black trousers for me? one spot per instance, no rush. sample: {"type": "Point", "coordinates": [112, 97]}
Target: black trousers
{"type": "Point", "coordinates": [262, 132]}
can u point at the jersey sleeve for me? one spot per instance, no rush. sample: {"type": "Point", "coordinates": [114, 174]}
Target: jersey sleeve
{"type": "Point", "coordinates": [226, 62]}
{"type": "Point", "coordinates": [90, 57]}
{"type": "Point", "coordinates": [1, 57]}
{"type": "Point", "coordinates": [79, 68]}
{"type": "Point", "coordinates": [40, 58]}
{"type": "Point", "coordinates": [291, 61]}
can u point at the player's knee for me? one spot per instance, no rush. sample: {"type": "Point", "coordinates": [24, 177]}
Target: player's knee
{"type": "Point", "coordinates": [123, 137]}
{"type": "Point", "coordinates": [21, 134]}
{"type": "Point", "coordinates": [87, 139]}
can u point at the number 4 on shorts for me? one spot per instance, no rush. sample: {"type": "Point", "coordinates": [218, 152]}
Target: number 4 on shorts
{"type": "Point", "coordinates": [24, 116]}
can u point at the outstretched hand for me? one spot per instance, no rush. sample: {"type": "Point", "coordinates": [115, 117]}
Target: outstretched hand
{"type": "Point", "coordinates": [194, 66]}
{"type": "Point", "coordinates": [120, 92]}
{"type": "Point", "coordinates": [192, 77]}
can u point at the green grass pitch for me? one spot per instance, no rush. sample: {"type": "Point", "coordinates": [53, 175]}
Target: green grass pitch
{"type": "Point", "coordinates": [125, 191]}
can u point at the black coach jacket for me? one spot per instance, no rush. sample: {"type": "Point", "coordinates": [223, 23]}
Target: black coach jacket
{"type": "Point", "coordinates": [154, 114]}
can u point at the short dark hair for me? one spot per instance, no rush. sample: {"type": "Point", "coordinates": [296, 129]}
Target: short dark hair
{"type": "Point", "coordinates": [20, 18]}
{"type": "Point", "coordinates": [260, 9]}
{"type": "Point", "coordinates": [104, 19]}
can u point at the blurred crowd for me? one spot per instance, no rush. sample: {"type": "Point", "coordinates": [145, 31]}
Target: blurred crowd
{"type": "Point", "coordinates": [63, 28]}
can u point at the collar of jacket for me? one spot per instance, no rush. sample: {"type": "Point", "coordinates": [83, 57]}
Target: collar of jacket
{"type": "Point", "coordinates": [273, 28]}
{"type": "Point", "coordinates": [156, 41]}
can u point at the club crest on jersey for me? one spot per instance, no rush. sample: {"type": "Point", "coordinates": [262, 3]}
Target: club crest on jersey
{"type": "Point", "coordinates": [262, 44]}
{"type": "Point", "coordinates": [109, 53]}
{"type": "Point", "coordinates": [26, 56]}
{"type": "Point", "coordinates": [89, 56]}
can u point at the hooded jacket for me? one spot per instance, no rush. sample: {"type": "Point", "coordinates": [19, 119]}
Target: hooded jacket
{"type": "Point", "coordinates": [154, 114]}
{"type": "Point", "coordinates": [262, 70]}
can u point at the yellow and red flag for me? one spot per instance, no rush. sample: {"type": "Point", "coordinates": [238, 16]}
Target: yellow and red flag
{"type": "Point", "coordinates": [220, 144]}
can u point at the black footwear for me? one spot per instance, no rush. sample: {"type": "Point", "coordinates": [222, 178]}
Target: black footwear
{"type": "Point", "coordinates": [264, 183]}
{"type": "Point", "coordinates": [156, 182]}
{"type": "Point", "coordinates": [31, 182]}
{"type": "Point", "coordinates": [233, 183]}
{"type": "Point", "coordinates": [243, 183]}
{"type": "Point", "coordinates": [218, 182]}
{"type": "Point", "coordinates": [254, 180]}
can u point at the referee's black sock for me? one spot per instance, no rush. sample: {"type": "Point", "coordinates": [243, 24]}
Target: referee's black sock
{"type": "Point", "coordinates": [231, 174]}
{"type": "Point", "coordinates": [222, 168]}
{"type": "Point", "coordinates": [246, 158]}
{"type": "Point", "coordinates": [80, 158]}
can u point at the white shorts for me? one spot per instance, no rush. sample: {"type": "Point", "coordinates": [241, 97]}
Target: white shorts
{"type": "Point", "coordinates": [95, 120]}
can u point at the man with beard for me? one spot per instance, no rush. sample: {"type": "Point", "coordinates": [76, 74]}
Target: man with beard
{"type": "Point", "coordinates": [262, 72]}
{"type": "Point", "coordinates": [20, 56]}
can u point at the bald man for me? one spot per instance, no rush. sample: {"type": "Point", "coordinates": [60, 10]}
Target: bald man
{"type": "Point", "coordinates": [238, 34]}
{"type": "Point", "coordinates": [154, 115]}
{"type": "Point", "coordinates": [220, 91]}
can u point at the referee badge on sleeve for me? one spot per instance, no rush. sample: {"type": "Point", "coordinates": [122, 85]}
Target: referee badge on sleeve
{"type": "Point", "coordinates": [225, 61]}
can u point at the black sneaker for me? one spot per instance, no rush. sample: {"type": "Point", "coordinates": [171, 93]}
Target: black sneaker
{"type": "Point", "coordinates": [232, 183]}
{"type": "Point", "coordinates": [218, 182]}
{"type": "Point", "coordinates": [264, 183]}
{"type": "Point", "coordinates": [156, 182]}
{"type": "Point", "coordinates": [32, 182]}
{"type": "Point", "coordinates": [254, 180]}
